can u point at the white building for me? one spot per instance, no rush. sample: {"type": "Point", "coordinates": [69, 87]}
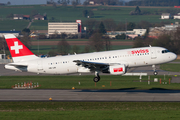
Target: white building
{"type": "Point", "coordinates": [165, 16]}
{"type": "Point", "coordinates": [91, 2]}
{"type": "Point", "coordinates": [139, 32]}
{"type": "Point", "coordinates": [131, 34]}
{"type": "Point", "coordinates": [18, 17]}
{"type": "Point", "coordinates": [65, 27]}
{"type": "Point", "coordinates": [177, 16]}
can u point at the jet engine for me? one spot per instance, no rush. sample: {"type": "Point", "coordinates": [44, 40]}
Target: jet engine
{"type": "Point", "coordinates": [117, 69]}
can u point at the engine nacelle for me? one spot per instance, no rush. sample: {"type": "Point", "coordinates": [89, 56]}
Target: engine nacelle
{"type": "Point", "coordinates": [117, 69]}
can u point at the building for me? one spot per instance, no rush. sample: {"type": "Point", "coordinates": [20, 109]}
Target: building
{"type": "Point", "coordinates": [16, 33]}
{"type": "Point", "coordinates": [62, 27]}
{"type": "Point", "coordinates": [91, 2]}
{"type": "Point", "coordinates": [26, 17]}
{"type": "Point", "coordinates": [177, 16]}
{"type": "Point", "coordinates": [165, 16]}
{"type": "Point", "coordinates": [154, 32]}
{"type": "Point", "coordinates": [131, 34]}
{"type": "Point", "coordinates": [18, 16]}
{"type": "Point", "coordinates": [39, 17]}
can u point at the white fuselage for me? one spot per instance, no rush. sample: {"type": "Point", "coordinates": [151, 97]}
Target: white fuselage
{"type": "Point", "coordinates": [129, 57]}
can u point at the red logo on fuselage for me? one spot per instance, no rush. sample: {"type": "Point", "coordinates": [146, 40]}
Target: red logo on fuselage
{"type": "Point", "coordinates": [118, 69]}
{"type": "Point", "coordinates": [140, 51]}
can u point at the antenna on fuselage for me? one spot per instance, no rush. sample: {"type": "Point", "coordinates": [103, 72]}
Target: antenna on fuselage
{"type": "Point", "coordinates": [149, 45]}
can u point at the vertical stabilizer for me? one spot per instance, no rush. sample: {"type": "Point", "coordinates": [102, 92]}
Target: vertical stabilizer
{"type": "Point", "coordinates": [18, 50]}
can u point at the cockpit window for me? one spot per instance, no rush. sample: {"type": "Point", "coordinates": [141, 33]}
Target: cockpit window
{"type": "Point", "coordinates": [165, 51]}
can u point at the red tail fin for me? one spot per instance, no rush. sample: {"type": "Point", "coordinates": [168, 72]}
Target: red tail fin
{"type": "Point", "coordinates": [16, 47]}
{"type": "Point", "coordinates": [18, 50]}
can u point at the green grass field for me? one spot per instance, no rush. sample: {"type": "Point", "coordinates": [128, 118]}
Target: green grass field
{"type": "Point", "coordinates": [70, 14]}
{"type": "Point", "coordinates": [17, 25]}
{"type": "Point", "coordinates": [170, 67]}
{"type": "Point", "coordinates": [68, 81]}
{"type": "Point", "coordinates": [90, 110]}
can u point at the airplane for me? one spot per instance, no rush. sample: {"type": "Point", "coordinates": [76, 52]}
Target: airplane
{"type": "Point", "coordinates": [113, 62]}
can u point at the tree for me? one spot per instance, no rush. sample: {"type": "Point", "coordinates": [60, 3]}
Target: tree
{"type": "Point", "coordinates": [107, 42]}
{"type": "Point", "coordinates": [75, 49]}
{"type": "Point", "coordinates": [3, 45]}
{"type": "Point", "coordinates": [121, 26]}
{"type": "Point", "coordinates": [63, 2]}
{"type": "Point", "coordinates": [85, 13]}
{"type": "Point", "coordinates": [63, 47]}
{"type": "Point", "coordinates": [8, 3]}
{"type": "Point", "coordinates": [74, 4]}
{"type": "Point", "coordinates": [102, 29]}
{"type": "Point", "coordinates": [68, 1]}
{"type": "Point", "coordinates": [85, 3]}
{"type": "Point", "coordinates": [96, 42]}
{"type": "Point", "coordinates": [131, 26]}
{"type": "Point", "coordinates": [88, 13]}
{"type": "Point", "coordinates": [109, 24]}
{"type": "Point", "coordinates": [54, 5]}
{"type": "Point", "coordinates": [138, 42]}
{"type": "Point", "coordinates": [63, 35]}
{"type": "Point", "coordinates": [122, 36]}
{"type": "Point", "coordinates": [137, 10]}
{"type": "Point", "coordinates": [26, 31]}
{"type": "Point", "coordinates": [144, 25]}
{"type": "Point", "coordinates": [86, 49]}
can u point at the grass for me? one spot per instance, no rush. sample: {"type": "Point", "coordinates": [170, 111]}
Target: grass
{"type": "Point", "coordinates": [90, 110]}
{"type": "Point", "coordinates": [18, 25]}
{"type": "Point", "coordinates": [70, 14]}
{"type": "Point", "coordinates": [67, 82]}
{"type": "Point", "coordinates": [170, 67]}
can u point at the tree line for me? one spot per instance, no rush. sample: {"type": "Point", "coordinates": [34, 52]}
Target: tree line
{"type": "Point", "coordinates": [153, 3]}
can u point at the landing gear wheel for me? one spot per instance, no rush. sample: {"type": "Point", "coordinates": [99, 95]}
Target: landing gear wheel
{"type": "Point", "coordinates": [155, 72]}
{"type": "Point", "coordinates": [96, 79]}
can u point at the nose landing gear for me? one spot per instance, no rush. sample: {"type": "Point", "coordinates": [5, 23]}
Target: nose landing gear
{"type": "Point", "coordinates": [154, 68]}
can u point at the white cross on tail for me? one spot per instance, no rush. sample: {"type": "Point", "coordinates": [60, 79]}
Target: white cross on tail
{"type": "Point", "coordinates": [16, 47]}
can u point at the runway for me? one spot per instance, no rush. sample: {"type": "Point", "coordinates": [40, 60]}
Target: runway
{"type": "Point", "coordinates": [91, 95]}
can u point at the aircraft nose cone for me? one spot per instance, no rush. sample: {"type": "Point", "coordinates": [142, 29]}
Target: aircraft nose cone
{"type": "Point", "coordinates": [174, 56]}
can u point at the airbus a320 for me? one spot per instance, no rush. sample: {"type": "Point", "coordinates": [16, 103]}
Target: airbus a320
{"type": "Point", "coordinates": [113, 62]}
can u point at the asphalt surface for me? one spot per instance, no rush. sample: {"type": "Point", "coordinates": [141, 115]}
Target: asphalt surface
{"type": "Point", "coordinates": [89, 95]}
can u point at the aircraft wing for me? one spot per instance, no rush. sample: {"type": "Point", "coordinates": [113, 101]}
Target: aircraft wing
{"type": "Point", "coordinates": [93, 66]}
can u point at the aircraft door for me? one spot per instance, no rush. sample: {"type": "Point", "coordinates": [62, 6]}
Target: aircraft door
{"type": "Point", "coordinates": [153, 54]}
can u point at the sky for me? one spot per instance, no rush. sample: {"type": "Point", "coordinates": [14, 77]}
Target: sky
{"type": "Point", "coordinates": [31, 2]}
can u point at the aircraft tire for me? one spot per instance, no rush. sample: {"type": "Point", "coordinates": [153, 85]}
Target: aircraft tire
{"type": "Point", "coordinates": [96, 79]}
{"type": "Point", "coordinates": [155, 73]}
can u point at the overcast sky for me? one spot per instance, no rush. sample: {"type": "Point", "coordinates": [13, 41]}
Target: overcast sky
{"type": "Point", "coordinates": [31, 2]}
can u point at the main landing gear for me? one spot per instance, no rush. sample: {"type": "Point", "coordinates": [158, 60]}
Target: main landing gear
{"type": "Point", "coordinates": [154, 68]}
{"type": "Point", "coordinates": [97, 77]}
